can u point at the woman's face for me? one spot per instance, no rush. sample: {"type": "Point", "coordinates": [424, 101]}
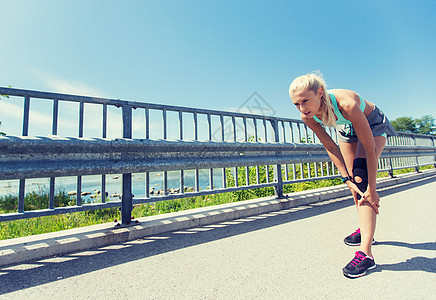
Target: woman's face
{"type": "Point", "coordinates": [307, 102]}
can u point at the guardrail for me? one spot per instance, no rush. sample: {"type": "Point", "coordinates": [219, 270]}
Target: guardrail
{"type": "Point", "coordinates": [286, 145]}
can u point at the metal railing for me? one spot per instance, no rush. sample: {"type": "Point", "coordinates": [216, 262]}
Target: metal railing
{"type": "Point", "coordinates": [231, 140]}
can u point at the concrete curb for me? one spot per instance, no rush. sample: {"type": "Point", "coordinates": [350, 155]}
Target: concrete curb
{"type": "Point", "coordinates": [23, 249]}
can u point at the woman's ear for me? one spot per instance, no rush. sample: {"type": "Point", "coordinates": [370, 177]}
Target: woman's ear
{"type": "Point", "coordinates": [320, 92]}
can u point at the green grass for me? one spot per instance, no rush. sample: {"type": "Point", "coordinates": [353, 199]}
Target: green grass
{"type": "Point", "coordinates": [33, 201]}
{"type": "Point", "coordinates": [32, 226]}
{"type": "Point", "coordinates": [403, 171]}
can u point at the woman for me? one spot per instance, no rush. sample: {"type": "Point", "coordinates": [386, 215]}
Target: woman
{"type": "Point", "coordinates": [362, 131]}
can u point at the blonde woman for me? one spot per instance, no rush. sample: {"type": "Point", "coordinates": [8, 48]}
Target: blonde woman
{"type": "Point", "coordinates": [362, 131]}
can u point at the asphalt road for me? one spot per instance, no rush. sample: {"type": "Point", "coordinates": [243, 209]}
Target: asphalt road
{"type": "Point", "coordinates": [293, 253]}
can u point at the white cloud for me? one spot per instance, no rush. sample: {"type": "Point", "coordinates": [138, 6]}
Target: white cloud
{"type": "Point", "coordinates": [41, 117]}
{"type": "Point", "coordinates": [13, 110]}
{"type": "Point", "coordinates": [60, 85]}
{"type": "Point", "coordinates": [41, 121]}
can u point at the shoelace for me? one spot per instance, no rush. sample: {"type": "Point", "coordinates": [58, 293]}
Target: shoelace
{"type": "Point", "coordinates": [358, 259]}
{"type": "Point", "coordinates": [356, 232]}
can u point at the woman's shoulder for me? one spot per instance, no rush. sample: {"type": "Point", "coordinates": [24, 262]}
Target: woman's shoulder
{"type": "Point", "coordinates": [341, 92]}
{"type": "Point", "coordinates": [344, 97]}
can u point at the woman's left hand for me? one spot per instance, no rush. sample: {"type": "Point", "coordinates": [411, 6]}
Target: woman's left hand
{"type": "Point", "coordinates": [373, 199]}
{"type": "Point", "coordinates": [354, 190]}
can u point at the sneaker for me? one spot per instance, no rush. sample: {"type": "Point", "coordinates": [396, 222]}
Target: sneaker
{"type": "Point", "coordinates": [354, 239]}
{"type": "Point", "coordinates": [359, 265]}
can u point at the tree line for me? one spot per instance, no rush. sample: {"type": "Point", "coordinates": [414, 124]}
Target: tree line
{"type": "Point", "coordinates": [423, 125]}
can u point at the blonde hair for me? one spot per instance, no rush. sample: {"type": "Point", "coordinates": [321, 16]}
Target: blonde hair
{"type": "Point", "coordinates": [312, 82]}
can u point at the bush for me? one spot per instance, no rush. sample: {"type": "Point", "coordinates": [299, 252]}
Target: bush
{"type": "Point", "coordinates": [33, 201]}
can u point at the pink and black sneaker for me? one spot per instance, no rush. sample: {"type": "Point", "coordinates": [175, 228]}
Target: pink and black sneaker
{"type": "Point", "coordinates": [359, 265]}
{"type": "Point", "coordinates": [354, 239]}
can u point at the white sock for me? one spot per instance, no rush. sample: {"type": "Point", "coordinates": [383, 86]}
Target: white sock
{"type": "Point", "coordinates": [371, 257]}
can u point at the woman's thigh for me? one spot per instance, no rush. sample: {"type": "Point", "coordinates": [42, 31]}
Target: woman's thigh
{"type": "Point", "coordinates": [348, 151]}
{"type": "Point", "coordinates": [380, 142]}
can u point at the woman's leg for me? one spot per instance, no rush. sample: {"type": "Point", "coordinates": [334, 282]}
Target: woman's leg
{"type": "Point", "coordinates": [348, 151]}
{"type": "Point", "coordinates": [367, 215]}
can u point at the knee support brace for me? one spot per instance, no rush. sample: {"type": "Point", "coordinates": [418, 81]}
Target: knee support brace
{"type": "Point", "coordinates": [360, 173]}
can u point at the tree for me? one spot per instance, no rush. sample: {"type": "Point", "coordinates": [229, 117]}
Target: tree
{"type": "Point", "coordinates": [426, 124]}
{"type": "Point", "coordinates": [405, 124]}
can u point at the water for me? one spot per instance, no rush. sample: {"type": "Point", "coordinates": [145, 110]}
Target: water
{"type": "Point", "coordinates": [92, 183]}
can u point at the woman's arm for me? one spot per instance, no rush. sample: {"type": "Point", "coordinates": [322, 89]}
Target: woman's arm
{"type": "Point", "coordinates": [351, 111]}
{"type": "Point", "coordinates": [332, 150]}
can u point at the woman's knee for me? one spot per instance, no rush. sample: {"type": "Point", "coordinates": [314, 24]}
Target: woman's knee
{"type": "Point", "coordinates": [360, 174]}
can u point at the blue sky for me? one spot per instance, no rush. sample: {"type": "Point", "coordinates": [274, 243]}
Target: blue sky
{"type": "Point", "coordinates": [215, 54]}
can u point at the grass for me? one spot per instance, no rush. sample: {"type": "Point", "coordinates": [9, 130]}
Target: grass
{"type": "Point", "coordinates": [33, 201]}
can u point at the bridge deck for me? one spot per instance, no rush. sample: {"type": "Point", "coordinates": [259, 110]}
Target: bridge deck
{"type": "Point", "coordinates": [291, 253]}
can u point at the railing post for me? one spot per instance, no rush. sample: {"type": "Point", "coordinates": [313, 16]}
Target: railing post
{"type": "Point", "coordinates": [54, 129]}
{"type": "Point", "coordinates": [21, 195]}
{"type": "Point", "coordinates": [277, 168]}
{"type": "Point", "coordinates": [417, 162]}
{"type": "Point", "coordinates": [22, 186]}
{"type": "Point", "coordinates": [26, 116]}
{"type": "Point", "coordinates": [391, 171]}
{"type": "Point", "coordinates": [434, 144]}
{"type": "Point", "coordinates": [126, 202]}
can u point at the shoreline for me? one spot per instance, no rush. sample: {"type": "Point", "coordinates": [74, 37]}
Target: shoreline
{"type": "Point", "coordinates": [91, 184]}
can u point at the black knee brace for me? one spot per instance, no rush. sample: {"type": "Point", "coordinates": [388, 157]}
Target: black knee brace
{"type": "Point", "coordinates": [360, 170]}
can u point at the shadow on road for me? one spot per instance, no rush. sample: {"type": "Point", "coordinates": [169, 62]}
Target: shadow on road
{"type": "Point", "coordinates": [38, 272]}
{"type": "Point", "coordinates": [414, 264]}
{"type": "Point", "coordinates": [419, 246]}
